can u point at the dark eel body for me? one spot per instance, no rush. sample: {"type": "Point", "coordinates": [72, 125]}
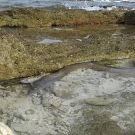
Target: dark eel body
{"type": "Point", "coordinates": [46, 81]}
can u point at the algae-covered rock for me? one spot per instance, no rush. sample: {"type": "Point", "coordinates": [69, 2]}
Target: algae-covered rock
{"type": "Point", "coordinates": [32, 17]}
{"type": "Point", "coordinates": [13, 56]}
{"type": "Point", "coordinates": [22, 56]}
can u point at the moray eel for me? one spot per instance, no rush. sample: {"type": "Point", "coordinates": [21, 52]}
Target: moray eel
{"type": "Point", "coordinates": [46, 81]}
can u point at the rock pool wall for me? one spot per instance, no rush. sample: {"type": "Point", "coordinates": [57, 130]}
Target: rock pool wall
{"type": "Point", "coordinates": [32, 17]}
{"type": "Point", "coordinates": [20, 58]}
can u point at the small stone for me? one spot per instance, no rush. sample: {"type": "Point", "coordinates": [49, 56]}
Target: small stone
{"type": "Point", "coordinates": [60, 92]}
{"type": "Point", "coordinates": [8, 88]}
{"type": "Point", "coordinates": [98, 101]}
{"type": "Point", "coordinates": [73, 104]}
{"type": "Point", "coordinates": [106, 75]}
{"type": "Point", "coordinates": [36, 101]}
{"type": "Point", "coordinates": [30, 112]}
{"type": "Point", "coordinates": [20, 116]}
{"type": "Point", "coordinates": [17, 114]}
{"type": "Point", "coordinates": [51, 101]}
{"type": "Point", "coordinates": [20, 128]}
{"type": "Point", "coordinates": [49, 122]}
{"type": "Point", "coordinates": [24, 117]}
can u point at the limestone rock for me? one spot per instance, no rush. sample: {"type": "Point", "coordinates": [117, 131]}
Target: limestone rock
{"type": "Point", "coordinates": [98, 101]}
{"type": "Point", "coordinates": [5, 130]}
{"type": "Point", "coordinates": [36, 100]}
{"type": "Point", "coordinates": [58, 92]}
{"type": "Point", "coordinates": [51, 100]}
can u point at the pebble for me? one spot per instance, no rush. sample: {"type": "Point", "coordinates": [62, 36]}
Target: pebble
{"type": "Point", "coordinates": [21, 116]}
{"type": "Point", "coordinates": [20, 128]}
{"type": "Point", "coordinates": [30, 112]}
{"type": "Point", "coordinates": [17, 114]}
{"type": "Point", "coordinates": [101, 101]}
{"type": "Point", "coordinates": [24, 117]}
{"type": "Point", "coordinates": [72, 104]}
{"type": "Point", "coordinates": [107, 75]}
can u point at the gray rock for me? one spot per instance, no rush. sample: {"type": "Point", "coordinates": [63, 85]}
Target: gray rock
{"type": "Point", "coordinates": [30, 112]}
{"type": "Point", "coordinates": [50, 100]}
{"type": "Point", "coordinates": [61, 91]}
{"type": "Point", "coordinates": [36, 100]}
{"type": "Point", "coordinates": [98, 101]}
{"type": "Point", "coordinates": [25, 128]}
{"type": "Point", "coordinates": [24, 117]}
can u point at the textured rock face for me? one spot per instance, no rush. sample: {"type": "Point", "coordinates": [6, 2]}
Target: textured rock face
{"type": "Point", "coordinates": [49, 100]}
{"type": "Point", "coordinates": [130, 18]}
{"type": "Point", "coordinates": [13, 56]}
{"type": "Point", "coordinates": [31, 17]}
{"type": "Point", "coordinates": [21, 56]}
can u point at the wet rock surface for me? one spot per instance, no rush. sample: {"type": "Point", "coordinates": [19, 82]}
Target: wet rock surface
{"type": "Point", "coordinates": [83, 102]}
{"type": "Point", "coordinates": [45, 113]}
{"type": "Point", "coordinates": [32, 17]}
{"type": "Point", "coordinates": [22, 55]}
{"type": "Point", "coordinates": [35, 17]}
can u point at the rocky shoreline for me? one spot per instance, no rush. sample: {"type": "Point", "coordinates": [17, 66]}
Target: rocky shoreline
{"type": "Point", "coordinates": [35, 17]}
{"type": "Point", "coordinates": [22, 55]}
{"type": "Point", "coordinates": [40, 42]}
{"type": "Point", "coordinates": [80, 103]}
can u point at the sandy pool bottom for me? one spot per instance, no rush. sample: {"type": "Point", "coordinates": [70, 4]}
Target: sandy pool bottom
{"type": "Point", "coordinates": [85, 102]}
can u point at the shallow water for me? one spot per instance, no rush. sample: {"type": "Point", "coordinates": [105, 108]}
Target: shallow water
{"type": "Point", "coordinates": [83, 32]}
{"type": "Point", "coordinates": [25, 112]}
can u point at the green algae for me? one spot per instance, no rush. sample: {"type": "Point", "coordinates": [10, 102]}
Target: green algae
{"type": "Point", "coordinates": [32, 17]}
{"type": "Point", "coordinates": [21, 55]}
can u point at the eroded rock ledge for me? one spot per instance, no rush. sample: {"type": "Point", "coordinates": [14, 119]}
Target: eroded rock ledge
{"type": "Point", "coordinates": [20, 58]}
{"type": "Point", "coordinates": [32, 17]}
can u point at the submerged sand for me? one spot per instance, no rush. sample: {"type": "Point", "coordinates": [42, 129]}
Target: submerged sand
{"type": "Point", "coordinates": [62, 107]}
{"type": "Point", "coordinates": [84, 101]}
